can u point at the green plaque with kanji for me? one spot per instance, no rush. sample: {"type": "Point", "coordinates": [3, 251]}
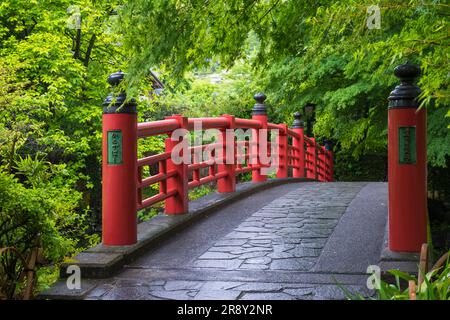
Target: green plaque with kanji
{"type": "Point", "coordinates": [115, 147]}
{"type": "Point", "coordinates": [407, 145]}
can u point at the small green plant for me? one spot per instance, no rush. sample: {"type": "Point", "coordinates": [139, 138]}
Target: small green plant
{"type": "Point", "coordinates": [435, 286]}
{"type": "Point", "coordinates": [147, 213]}
{"type": "Point", "coordinates": [38, 206]}
{"type": "Point", "coordinates": [200, 192]}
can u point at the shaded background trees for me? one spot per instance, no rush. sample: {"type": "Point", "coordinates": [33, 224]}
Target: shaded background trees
{"type": "Point", "coordinates": [212, 56]}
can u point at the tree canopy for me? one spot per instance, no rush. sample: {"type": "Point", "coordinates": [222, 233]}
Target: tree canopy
{"type": "Point", "coordinates": [306, 51]}
{"type": "Point", "coordinates": [55, 56]}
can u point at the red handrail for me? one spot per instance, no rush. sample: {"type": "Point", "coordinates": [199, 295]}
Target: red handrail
{"type": "Point", "coordinates": [316, 159]}
{"type": "Point", "coordinates": [293, 154]}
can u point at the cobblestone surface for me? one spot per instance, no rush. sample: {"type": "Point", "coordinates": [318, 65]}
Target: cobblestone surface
{"type": "Point", "coordinates": [219, 290]}
{"type": "Point", "coordinates": [268, 255]}
{"type": "Point", "coordinates": [287, 234]}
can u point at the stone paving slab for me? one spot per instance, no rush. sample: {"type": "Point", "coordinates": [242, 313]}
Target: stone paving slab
{"type": "Point", "coordinates": [357, 239]}
{"type": "Point", "coordinates": [104, 261]}
{"type": "Point", "coordinates": [287, 234]}
{"type": "Point", "coordinates": [220, 290]}
{"type": "Point", "coordinates": [251, 249]}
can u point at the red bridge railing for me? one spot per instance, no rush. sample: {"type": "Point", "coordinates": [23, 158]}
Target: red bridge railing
{"type": "Point", "coordinates": [294, 155]}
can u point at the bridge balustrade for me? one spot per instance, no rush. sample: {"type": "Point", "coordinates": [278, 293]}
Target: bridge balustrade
{"type": "Point", "coordinates": [292, 155]}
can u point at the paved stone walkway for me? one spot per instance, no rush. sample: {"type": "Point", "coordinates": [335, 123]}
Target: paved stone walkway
{"type": "Point", "coordinates": [267, 246]}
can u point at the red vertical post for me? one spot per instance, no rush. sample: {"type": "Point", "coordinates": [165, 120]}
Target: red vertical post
{"type": "Point", "coordinates": [329, 160]}
{"type": "Point", "coordinates": [314, 158]}
{"type": "Point", "coordinates": [318, 164]}
{"type": "Point", "coordinates": [259, 114]}
{"type": "Point", "coordinates": [323, 163]}
{"type": "Point", "coordinates": [299, 147]}
{"type": "Point", "coordinates": [177, 204]}
{"type": "Point", "coordinates": [282, 156]}
{"type": "Point", "coordinates": [331, 166]}
{"type": "Point", "coordinates": [228, 183]}
{"type": "Point", "coordinates": [311, 149]}
{"type": "Point", "coordinates": [119, 168]}
{"type": "Point", "coordinates": [328, 147]}
{"type": "Point", "coordinates": [407, 181]}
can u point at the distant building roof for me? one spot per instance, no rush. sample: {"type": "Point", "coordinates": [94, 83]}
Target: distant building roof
{"type": "Point", "coordinates": [157, 84]}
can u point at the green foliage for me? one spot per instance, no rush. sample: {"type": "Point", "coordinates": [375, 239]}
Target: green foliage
{"type": "Point", "coordinates": [52, 84]}
{"type": "Point", "coordinates": [37, 208]}
{"type": "Point", "coordinates": [371, 167]}
{"type": "Point", "coordinates": [309, 51]}
{"type": "Point", "coordinates": [56, 55]}
{"type": "Point", "coordinates": [214, 94]}
{"type": "Point", "coordinates": [436, 286]}
{"type": "Point", "coordinates": [146, 214]}
{"type": "Point", "coordinates": [201, 191]}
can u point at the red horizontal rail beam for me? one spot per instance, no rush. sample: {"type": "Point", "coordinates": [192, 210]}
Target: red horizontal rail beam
{"type": "Point", "coordinates": [148, 161]}
{"type": "Point", "coordinates": [155, 199]}
{"type": "Point", "coordinates": [156, 178]}
{"type": "Point", "coordinates": [196, 183]}
{"type": "Point", "coordinates": [153, 128]}
{"type": "Point", "coordinates": [208, 123]}
{"type": "Point", "coordinates": [200, 165]}
{"type": "Point", "coordinates": [276, 126]}
{"type": "Point", "coordinates": [244, 169]}
{"type": "Point", "coordinates": [292, 133]}
{"type": "Point", "coordinates": [308, 140]}
{"type": "Point", "coordinates": [247, 124]}
{"type": "Point", "coordinates": [204, 146]}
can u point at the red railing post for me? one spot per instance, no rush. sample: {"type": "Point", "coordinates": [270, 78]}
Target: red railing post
{"type": "Point", "coordinates": [298, 170]}
{"type": "Point", "coordinates": [329, 160]}
{"type": "Point", "coordinates": [323, 163]}
{"type": "Point", "coordinates": [259, 114]}
{"type": "Point", "coordinates": [331, 166]}
{"type": "Point", "coordinates": [315, 156]}
{"type": "Point", "coordinates": [119, 168]}
{"type": "Point", "coordinates": [407, 160]}
{"type": "Point", "coordinates": [177, 204]}
{"type": "Point", "coordinates": [228, 183]}
{"type": "Point", "coordinates": [283, 153]}
{"type": "Point", "coordinates": [312, 157]}
{"type": "Point", "coordinates": [317, 165]}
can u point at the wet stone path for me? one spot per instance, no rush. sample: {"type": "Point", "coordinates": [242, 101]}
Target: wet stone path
{"type": "Point", "coordinates": [287, 234]}
{"type": "Point", "coordinates": [270, 253]}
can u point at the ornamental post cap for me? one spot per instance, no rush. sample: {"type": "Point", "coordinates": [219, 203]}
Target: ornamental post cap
{"type": "Point", "coordinates": [259, 108]}
{"type": "Point", "coordinates": [118, 103]}
{"type": "Point", "coordinates": [298, 122]}
{"type": "Point", "coordinates": [115, 78]}
{"type": "Point", "coordinates": [407, 72]}
{"type": "Point", "coordinates": [327, 144]}
{"type": "Point", "coordinates": [260, 97]}
{"type": "Point", "coordinates": [405, 94]}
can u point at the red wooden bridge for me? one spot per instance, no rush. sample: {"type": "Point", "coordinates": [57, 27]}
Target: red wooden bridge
{"type": "Point", "coordinates": [292, 241]}
{"type": "Point", "coordinates": [293, 153]}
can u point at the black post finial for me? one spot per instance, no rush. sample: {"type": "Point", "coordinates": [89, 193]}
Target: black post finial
{"type": "Point", "coordinates": [327, 144]}
{"type": "Point", "coordinates": [116, 104]}
{"type": "Point", "coordinates": [405, 94]}
{"type": "Point", "coordinates": [259, 107]}
{"type": "Point", "coordinates": [298, 122]}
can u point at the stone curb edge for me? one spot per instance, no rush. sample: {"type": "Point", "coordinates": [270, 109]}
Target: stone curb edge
{"type": "Point", "coordinates": [389, 260]}
{"type": "Point", "coordinates": [105, 261]}
{"type": "Point", "coordinates": [101, 261]}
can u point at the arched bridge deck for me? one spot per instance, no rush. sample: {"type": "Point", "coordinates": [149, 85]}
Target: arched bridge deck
{"type": "Point", "coordinates": [290, 241]}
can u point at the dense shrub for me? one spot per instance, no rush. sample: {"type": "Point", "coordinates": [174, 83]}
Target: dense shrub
{"type": "Point", "coordinates": [42, 209]}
